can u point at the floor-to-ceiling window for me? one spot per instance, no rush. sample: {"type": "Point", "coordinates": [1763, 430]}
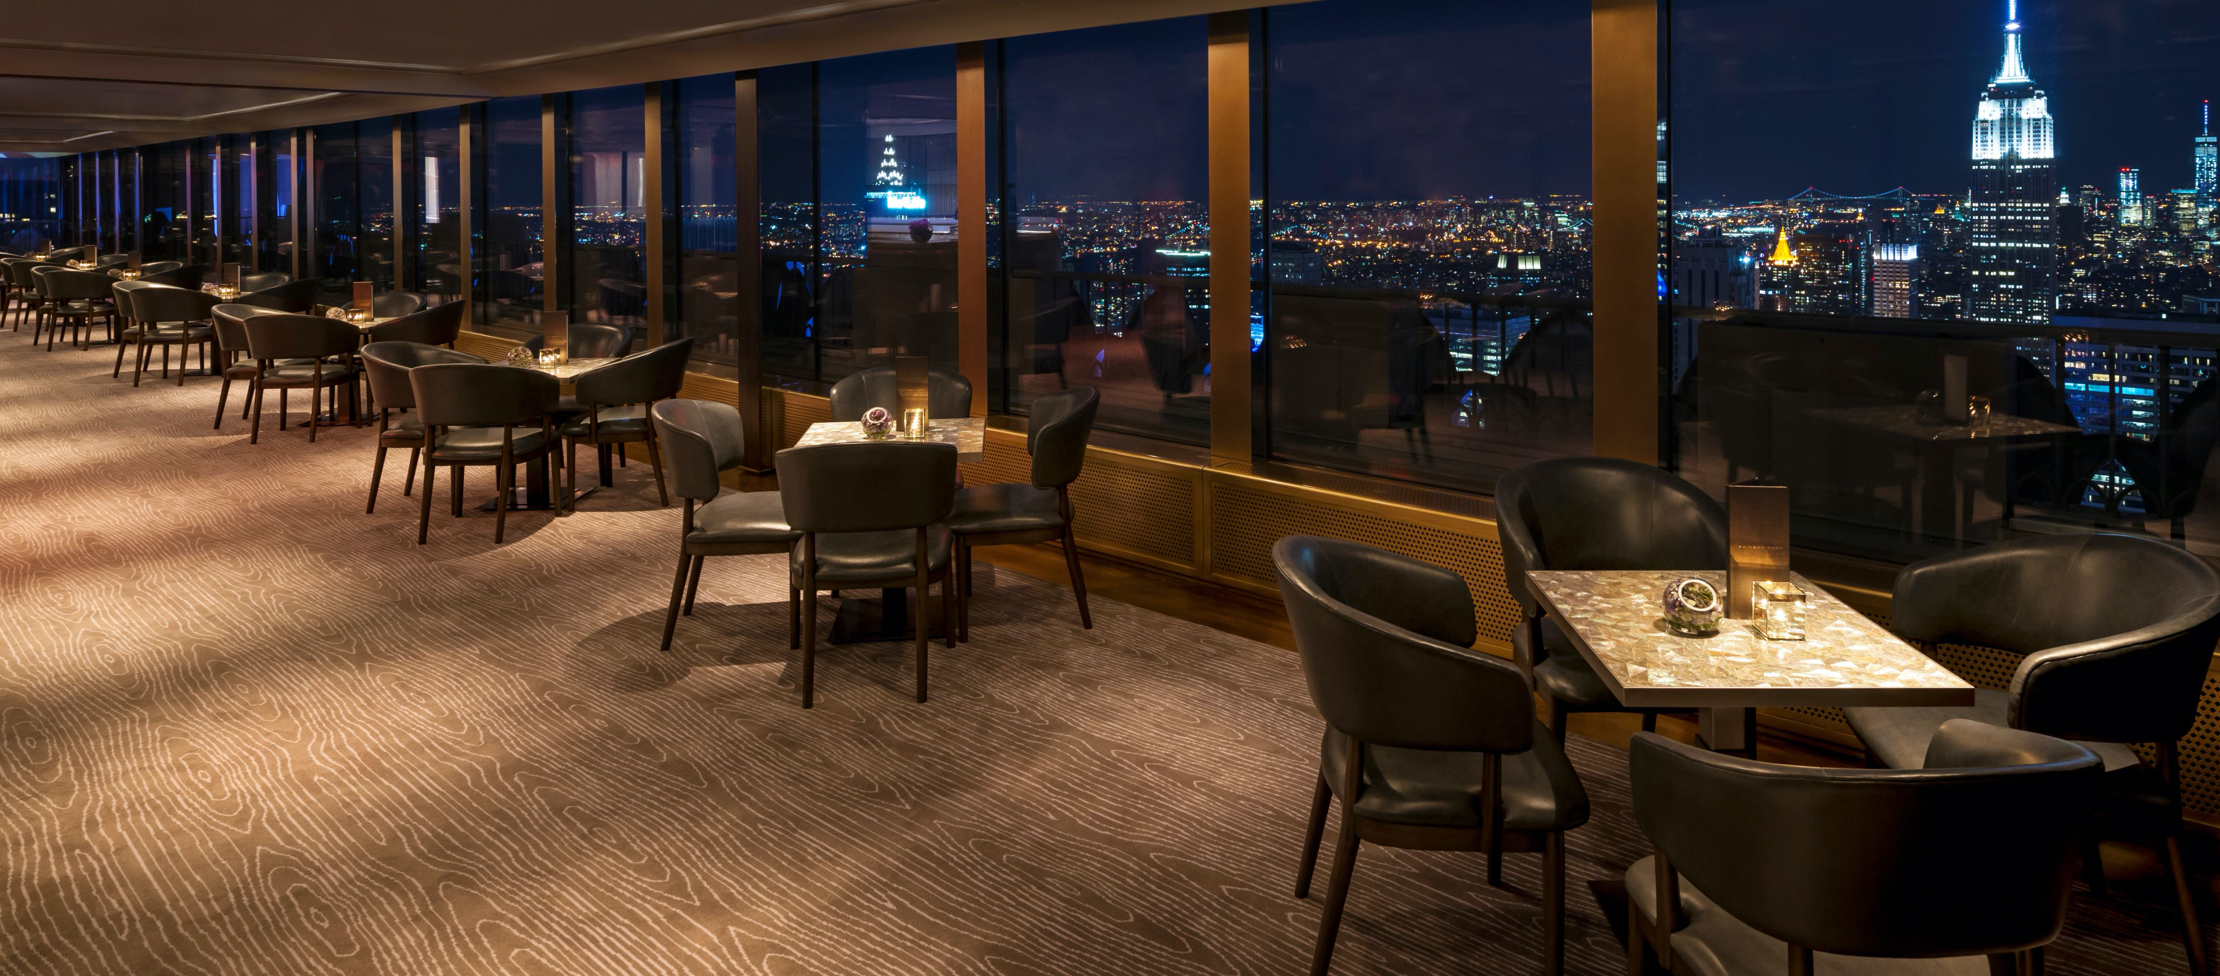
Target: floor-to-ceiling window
{"type": "Point", "coordinates": [337, 232]}
{"type": "Point", "coordinates": [30, 201]}
{"type": "Point", "coordinates": [241, 192]}
{"type": "Point", "coordinates": [434, 168]}
{"type": "Point", "coordinates": [786, 171]}
{"type": "Point", "coordinates": [2013, 214]}
{"type": "Point", "coordinates": [205, 176]}
{"type": "Point", "coordinates": [273, 202]}
{"type": "Point", "coordinates": [606, 271]}
{"type": "Point", "coordinates": [509, 227]}
{"type": "Point", "coordinates": [1104, 224]}
{"type": "Point", "coordinates": [708, 292]}
{"type": "Point", "coordinates": [126, 209]}
{"type": "Point", "coordinates": [374, 178]}
{"type": "Point", "coordinates": [1426, 237]}
{"type": "Point", "coordinates": [163, 202]}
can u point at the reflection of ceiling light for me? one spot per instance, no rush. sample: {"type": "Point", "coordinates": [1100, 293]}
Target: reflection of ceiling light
{"type": "Point", "coordinates": [88, 135]}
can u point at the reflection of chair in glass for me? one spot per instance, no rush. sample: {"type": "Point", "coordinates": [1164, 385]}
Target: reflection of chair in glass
{"type": "Point", "coordinates": [1544, 385]}
{"type": "Point", "coordinates": [394, 304]}
{"type": "Point", "coordinates": [290, 296]}
{"type": "Point", "coordinates": [1345, 366]}
{"type": "Point", "coordinates": [262, 282]}
{"type": "Point", "coordinates": [1173, 342]}
{"type": "Point", "coordinates": [593, 340]}
{"type": "Point", "coordinates": [948, 394]}
{"type": "Point", "coordinates": [2169, 469]}
{"type": "Point", "coordinates": [622, 301]}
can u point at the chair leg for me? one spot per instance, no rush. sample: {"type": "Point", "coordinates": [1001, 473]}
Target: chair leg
{"type": "Point", "coordinates": [1553, 904]}
{"type": "Point", "coordinates": [315, 408]}
{"type": "Point", "coordinates": [409, 483]}
{"type": "Point", "coordinates": [1636, 965]}
{"type": "Point", "coordinates": [1320, 798]}
{"type": "Point", "coordinates": [693, 584]}
{"type": "Point", "coordinates": [1078, 581]}
{"type": "Point", "coordinates": [655, 460]}
{"type": "Point", "coordinates": [793, 615]}
{"type": "Point", "coordinates": [923, 622]}
{"type": "Point", "coordinates": [962, 563]}
{"type": "Point", "coordinates": [948, 604]}
{"type": "Point", "coordinates": [670, 617]}
{"type": "Point", "coordinates": [138, 365]}
{"type": "Point", "coordinates": [1557, 718]}
{"type": "Point", "coordinates": [455, 491]}
{"type": "Point", "coordinates": [424, 513]}
{"type": "Point", "coordinates": [809, 637]}
{"type": "Point", "coordinates": [118, 371]}
{"type": "Point", "coordinates": [223, 395]}
{"type": "Point", "coordinates": [2092, 864]}
{"type": "Point", "coordinates": [254, 396]}
{"type": "Point", "coordinates": [1337, 893]}
{"type": "Point", "coordinates": [503, 474]}
{"type": "Point", "coordinates": [377, 469]}
{"type": "Point", "coordinates": [2192, 932]}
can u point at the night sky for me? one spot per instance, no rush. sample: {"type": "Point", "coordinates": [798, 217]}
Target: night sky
{"type": "Point", "coordinates": [1855, 98]}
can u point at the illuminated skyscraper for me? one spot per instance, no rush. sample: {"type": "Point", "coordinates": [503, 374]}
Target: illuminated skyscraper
{"type": "Point", "coordinates": [2131, 196]}
{"type": "Point", "coordinates": [2014, 231]}
{"type": "Point", "coordinates": [1894, 280]}
{"type": "Point", "coordinates": [2208, 164]}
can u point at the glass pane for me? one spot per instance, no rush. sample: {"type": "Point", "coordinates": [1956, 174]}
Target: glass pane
{"type": "Point", "coordinates": [337, 233]}
{"type": "Point", "coordinates": [436, 171]}
{"type": "Point", "coordinates": [127, 200]}
{"type": "Point", "coordinates": [1427, 260]}
{"type": "Point", "coordinates": [375, 181]}
{"type": "Point", "coordinates": [239, 201]}
{"type": "Point", "coordinates": [708, 266]}
{"type": "Point", "coordinates": [510, 230]}
{"type": "Point", "coordinates": [1106, 253]}
{"type": "Point", "coordinates": [274, 207]}
{"type": "Point", "coordinates": [786, 134]}
{"type": "Point", "coordinates": [1977, 303]}
{"type": "Point", "coordinates": [608, 169]}
{"type": "Point", "coordinates": [163, 204]}
{"type": "Point", "coordinates": [30, 202]}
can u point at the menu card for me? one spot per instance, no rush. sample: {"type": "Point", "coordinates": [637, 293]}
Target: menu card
{"type": "Point", "coordinates": [1757, 543]}
{"type": "Point", "coordinates": [556, 327]}
{"type": "Point", "coordinates": [364, 292]}
{"type": "Point", "coordinates": [229, 276]}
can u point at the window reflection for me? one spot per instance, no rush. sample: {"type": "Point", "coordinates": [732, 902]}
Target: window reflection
{"type": "Point", "coordinates": [338, 252]}
{"type": "Point", "coordinates": [274, 201]}
{"type": "Point", "coordinates": [708, 266]}
{"type": "Point", "coordinates": [608, 209]}
{"type": "Point", "coordinates": [435, 172]}
{"type": "Point", "coordinates": [511, 268]}
{"type": "Point", "coordinates": [30, 202]}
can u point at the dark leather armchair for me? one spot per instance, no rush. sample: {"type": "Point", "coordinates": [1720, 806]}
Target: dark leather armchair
{"type": "Point", "coordinates": [993, 515]}
{"type": "Point", "coordinates": [438, 325]}
{"type": "Point", "coordinates": [701, 441]}
{"type": "Point", "coordinates": [158, 267]}
{"type": "Point", "coordinates": [612, 403]}
{"type": "Point", "coordinates": [386, 365]}
{"type": "Point", "coordinates": [394, 304]}
{"type": "Point", "coordinates": [1429, 744]}
{"type": "Point", "coordinates": [595, 340]}
{"type": "Point", "coordinates": [484, 415]}
{"type": "Point", "coordinates": [230, 323]}
{"type": "Point", "coordinates": [249, 284]}
{"type": "Point", "coordinates": [1593, 513]}
{"type": "Point", "coordinates": [948, 393]}
{"type": "Point", "coordinates": [1761, 865]}
{"type": "Point", "coordinates": [321, 351]}
{"type": "Point", "coordinates": [2118, 631]}
{"type": "Point", "coordinates": [871, 517]}
{"type": "Point", "coordinates": [285, 296]}
{"type": "Point", "coordinates": [75, 299]}
{"type": "Point", "coordinates": [181, 275]}
{"type": "Point", "coordinates": [167, 316]}
{"type": "Point", "coordinates": [24, 297]}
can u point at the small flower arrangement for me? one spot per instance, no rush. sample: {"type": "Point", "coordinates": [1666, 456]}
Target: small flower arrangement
{"type": "Point", "coordinates": [1692, 607]}
{"type": "Point", "coordinates": [877, 423]}
{"type": "Point", "coordinates": [519, 356]}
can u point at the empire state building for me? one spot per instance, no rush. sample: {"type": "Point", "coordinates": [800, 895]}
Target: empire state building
{"type": "Point", "coordinates": [2013, 209]}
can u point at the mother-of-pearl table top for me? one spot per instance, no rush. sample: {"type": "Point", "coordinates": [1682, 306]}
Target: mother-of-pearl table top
{"type": "Point", "coordinates": [969, 434]}
{"type": "Point", "coordinates": [1617, 621]}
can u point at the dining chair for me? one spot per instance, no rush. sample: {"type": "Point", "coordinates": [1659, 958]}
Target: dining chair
{"type": "Point", "coordinates": [324, 348]}
{"type": "Point", "coordinates": [249, 284]}
{"type": "Point", "coordinates": [111, 260]}
{"type": "Point", "coordinates": [158, 267]}
{"type": "Point", "coordinates": [948, 393]}
{"type": "Point", "coordinates": [169, 317]}
{"type": "Point", "coordinates": [1004, 514]}
{"type": "Point", "coordinates": [24, 296]}
{"type": "Point", "coordinates": [394, 304]}
{"type": "Point", "coordinates": [871, 517]}
{"type": "Point", "coordinates": [239, 366]}
{"type": "Point", "coordinates": [2117, 632]}
{"type": "Point", "coordinates": [1762, 868]}
{"type": "Point", "coordinates": [595, 340]}
{"type": "Point", "coordinates": [438, 325]}
{"type": "Point", "coordinates": [703, 440]}
{"type": "Point", "coordinates": [386, 365]}
{"type": "Point", "coordinates": [481, 415]}
{"type": "Point", "coordinates": [183, 275]}
{"type": "Point", "coordinates": [613, 402]}
{"type": "Point", "coordinates": [75, 299]}
{"type": "Point", "coordinates": [1429, 745]}
{"type": "Point", "coordinates": [286, 296]}
{"type": "Point", "coordinates": [1594, 513]}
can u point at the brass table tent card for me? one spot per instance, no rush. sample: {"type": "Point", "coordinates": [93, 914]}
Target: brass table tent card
{"type": "Point", "coordinates": [1757, 543]}
{"type": "Point", "coordinates": [364, 292]}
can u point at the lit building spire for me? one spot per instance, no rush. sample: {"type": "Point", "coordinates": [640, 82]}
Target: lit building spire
{"type": "Point", "coordinates": [2014, 71]}
{"type": "Point", "coordinates": [1783, 255]}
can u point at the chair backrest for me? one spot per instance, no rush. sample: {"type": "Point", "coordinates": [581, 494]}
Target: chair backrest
{"type": "Point", "coordinates": [701, 439]}
{"type": "Point", "coordinates": [1056, 434]}
{"type": "Point", "coordinates": [121, 290]}
{"type": "Point", "coordinates": [594, 340]}
{"type": "Point", "coordinates": [1597, 513]}
{"type": "Point", "coordinates": [394, 304]}
{"type": "Point", "coordinates": [948, 393]}
{"type": "Point", "coordinates": [482, 395]}
{"type": "Point", "coordinates": [1972, 855]}
{"type": "Point", "coordinates": [435, 326]}
{"type": "Point", "coordinates": [169, 303]}
{"type": "Point", "coordinates": [387, 366]}
{"type": "Point", "coordinates": [2118, 630]}
{"type": "Point", "coordinates": [263, 282]}
{"type": "Point", "coordinates": [41, 272]}
{"type": "Point", "coordinates": [24, 272]}
{"type": "Point", "coordinates": [286, 296]}
{"type": "Point", "coordinates": [71, 285]}
{"type": "Point", "coordinates": [643, 378]}
{"type": "Point", "coordinates": [183, 276]}
{"type": "Point", "coordinates": [112, 261]}
{"type": "Point", "coordinates": [286, 335]}
{"type": "Point", "coordinates": [158, 267]}
{"type": "Point", "coordinates": [867, 487]}
{"type": "Point", "coordinates": [231, 324]}
{"type": "Point", "coordinates": [1385, 644]}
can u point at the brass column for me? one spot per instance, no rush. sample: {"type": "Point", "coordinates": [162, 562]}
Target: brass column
{"type": "Point", "coordinates": [293, 212]}
{"type": "Point", "coordinates": [747, 209]}
{"type": "Point", "coordinates": [468, 122]}
{"type": "Point", "coordinates": [1623, 35]}
{"type": "Point", "coordinates": [971, 220]}
{"type": "Point", "coordinates": [400, 207]}
{"type": "Point", "coordinates": [1230, 438]}
{"type": "Point", "coordinates": [553, 164]}
{"type": "Point", "coordinates": [655, 276]}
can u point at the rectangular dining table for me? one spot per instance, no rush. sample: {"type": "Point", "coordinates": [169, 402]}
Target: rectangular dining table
{"type": "Point", "coordinates": [888, 617]}
{"type": "Point", "coordinates": [1617, 621]}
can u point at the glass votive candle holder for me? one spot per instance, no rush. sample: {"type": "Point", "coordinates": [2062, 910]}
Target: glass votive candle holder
{"type": "Point", "coordinates": [1780, 609]}
{"type": "Point", "coordinates": [913, 423]}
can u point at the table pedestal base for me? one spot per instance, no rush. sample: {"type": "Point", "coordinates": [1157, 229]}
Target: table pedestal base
{"type": "Point", "coordinates": [1725, 729]}
{"type": "Point", "coordinates": [884, 619]}
{"type": "Point", "coordinates": [538, 492]}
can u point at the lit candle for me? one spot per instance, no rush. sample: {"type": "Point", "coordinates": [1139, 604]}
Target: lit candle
{"type": "Point", "coordinates": [1780, 610]}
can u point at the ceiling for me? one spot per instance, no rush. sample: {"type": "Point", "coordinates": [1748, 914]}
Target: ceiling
{"type": "Point", "coordinates": [76, 77]}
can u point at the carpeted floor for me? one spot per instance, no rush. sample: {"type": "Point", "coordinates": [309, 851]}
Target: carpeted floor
{"type": "Point", "coordinates": [246, 728]}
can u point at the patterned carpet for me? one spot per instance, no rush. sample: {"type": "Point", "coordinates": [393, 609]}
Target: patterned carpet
{"type": "Point", "coordinates": [246, 728]}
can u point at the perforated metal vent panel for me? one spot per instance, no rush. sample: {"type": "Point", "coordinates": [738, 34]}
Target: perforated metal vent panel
{"type": "Point", "coordinates": [1246, 521]}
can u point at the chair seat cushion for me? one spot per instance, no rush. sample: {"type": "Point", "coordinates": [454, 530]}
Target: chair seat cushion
{"type": "Point", "coordinates": [1442, 789]}
{"type": "Point", "coordinates": [623, 423]}
{"type": "Point", "coordinates": [1004, 508]}
{"type": "Point", "coordinates": [172, 334]}
{"type": "Point", "coordinates": [851, 557]}
{"type": "Point", "coordinates": [1715, 943]}
{"type": "Point", "coordinates": [402, 431]}
{"type": "Point", "coordinates": [302, 374]}
{"type": "Point", "coordinates": [744, 518]}
{"type": "Point", "coordinates": [1899, 736]}
{"type": "Point", "coordinates": [80, 308]}
{"type": "Point", "coordinates": [483, 444]}
{"type": "Point", "coordinates": [1567, 678]}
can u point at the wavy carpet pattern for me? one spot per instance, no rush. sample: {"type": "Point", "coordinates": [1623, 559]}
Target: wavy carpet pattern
{"type": "Point", "coordinates": [246, 728]}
